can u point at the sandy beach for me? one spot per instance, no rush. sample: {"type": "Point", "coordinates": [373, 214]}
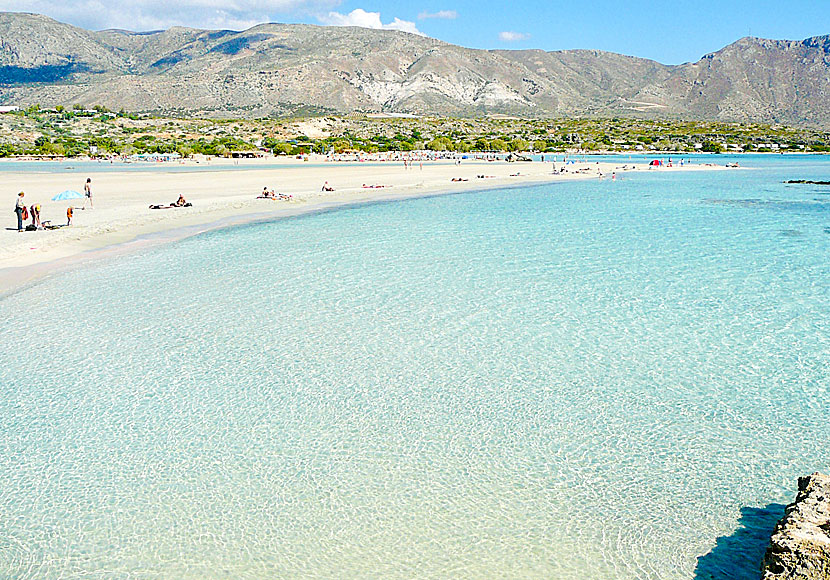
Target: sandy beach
{"type": "Point", "coordinates": [229, 195]}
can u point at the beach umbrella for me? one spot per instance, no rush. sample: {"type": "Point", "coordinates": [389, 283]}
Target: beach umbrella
{"type": "Point", "coordinates": [68, 194]}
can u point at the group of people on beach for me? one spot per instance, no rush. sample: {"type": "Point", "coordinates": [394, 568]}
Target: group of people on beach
{"type": "Point", "coordinates": [24, 212]}
{"type": "Point", "coordinates": [32, 212]}
{"type": "Point", "coordinates": [269, 194]}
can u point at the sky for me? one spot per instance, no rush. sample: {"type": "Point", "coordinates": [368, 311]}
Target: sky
{"type": "Point", "coordinates": [668, 32]}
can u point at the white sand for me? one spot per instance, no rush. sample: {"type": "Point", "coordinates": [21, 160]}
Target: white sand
{"type": "Point", "coordinates": [121, 199]}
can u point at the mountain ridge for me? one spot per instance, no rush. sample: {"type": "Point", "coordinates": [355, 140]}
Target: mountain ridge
{"type": "Point", "coordinates": [274, 69]}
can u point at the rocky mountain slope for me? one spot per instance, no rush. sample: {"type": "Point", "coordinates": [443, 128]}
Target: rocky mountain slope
{"type": "Point", "coordinates": [280, 68]}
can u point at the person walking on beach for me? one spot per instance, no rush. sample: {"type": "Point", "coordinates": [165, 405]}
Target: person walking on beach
{"type": "Point", "coordinates": [19, 208]}
{"type": "Point", "coordinates": [88, 193]}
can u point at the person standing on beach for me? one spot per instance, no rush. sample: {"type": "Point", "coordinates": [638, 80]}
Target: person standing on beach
{"type": "Point", "coordinates": [88, 193]}
{"type": "Point", "coordinates": [19, 207]}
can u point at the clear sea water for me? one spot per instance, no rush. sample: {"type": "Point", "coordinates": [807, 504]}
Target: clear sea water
{"type": "Point", "coordinates": [586, 380]}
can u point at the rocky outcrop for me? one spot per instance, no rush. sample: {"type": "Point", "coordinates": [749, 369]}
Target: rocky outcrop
{"type": "Point", "coordinates": [800, 545]}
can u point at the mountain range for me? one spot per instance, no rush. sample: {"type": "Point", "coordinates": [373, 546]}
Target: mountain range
{"type": "Point", "coordinates": [281, 69]}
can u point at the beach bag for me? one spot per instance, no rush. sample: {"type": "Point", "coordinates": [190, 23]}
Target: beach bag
{"type": "Point", "coordinates": [25, 213]}
{"type": "Point", "coordinates": [31, 228]}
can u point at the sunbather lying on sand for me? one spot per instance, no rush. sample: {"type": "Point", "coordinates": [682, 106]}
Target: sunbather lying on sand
{"type": "Point", "coordinates": [181, 202]}
{"type": "Point", "coordinates": [271, 195]}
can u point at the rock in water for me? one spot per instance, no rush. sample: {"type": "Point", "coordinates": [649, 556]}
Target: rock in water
{"type": "Point", "coordinates": [800, 545]}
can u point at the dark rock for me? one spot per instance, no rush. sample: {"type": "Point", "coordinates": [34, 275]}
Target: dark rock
{"type": "Point", "coordinates": [800, 545]}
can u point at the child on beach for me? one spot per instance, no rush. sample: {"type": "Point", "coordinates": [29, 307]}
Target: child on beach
{"type": "Point", "coordinates": [69, 216]}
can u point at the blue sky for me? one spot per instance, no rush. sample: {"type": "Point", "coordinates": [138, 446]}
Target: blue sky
{"type": "Point", "coordinates": [669, 32]}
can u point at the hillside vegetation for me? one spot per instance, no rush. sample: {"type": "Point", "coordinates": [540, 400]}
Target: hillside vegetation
{"type": "Point", "coordinates": [80, 130]}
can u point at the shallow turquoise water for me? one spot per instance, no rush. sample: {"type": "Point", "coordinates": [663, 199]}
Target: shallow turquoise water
{"type": "Point", "coordinates": [584, 380]}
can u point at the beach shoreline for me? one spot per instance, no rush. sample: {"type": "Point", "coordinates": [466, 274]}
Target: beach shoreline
{"type": "Point", "coordinates": [122, 220]}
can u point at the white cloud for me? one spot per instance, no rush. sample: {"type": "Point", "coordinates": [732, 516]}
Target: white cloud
{"type": "Point", "coordinates": [157, 14]}
{"type": "Point", "coordinates": [508, 36]}
{"type": "Point", "coordinates": [441, 14]}
{"type": "Point", "coordinates": [363, 19]}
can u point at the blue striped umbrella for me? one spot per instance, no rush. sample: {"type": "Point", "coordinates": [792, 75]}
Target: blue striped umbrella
{"type": "Point", "coordinates": [68, 194]}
